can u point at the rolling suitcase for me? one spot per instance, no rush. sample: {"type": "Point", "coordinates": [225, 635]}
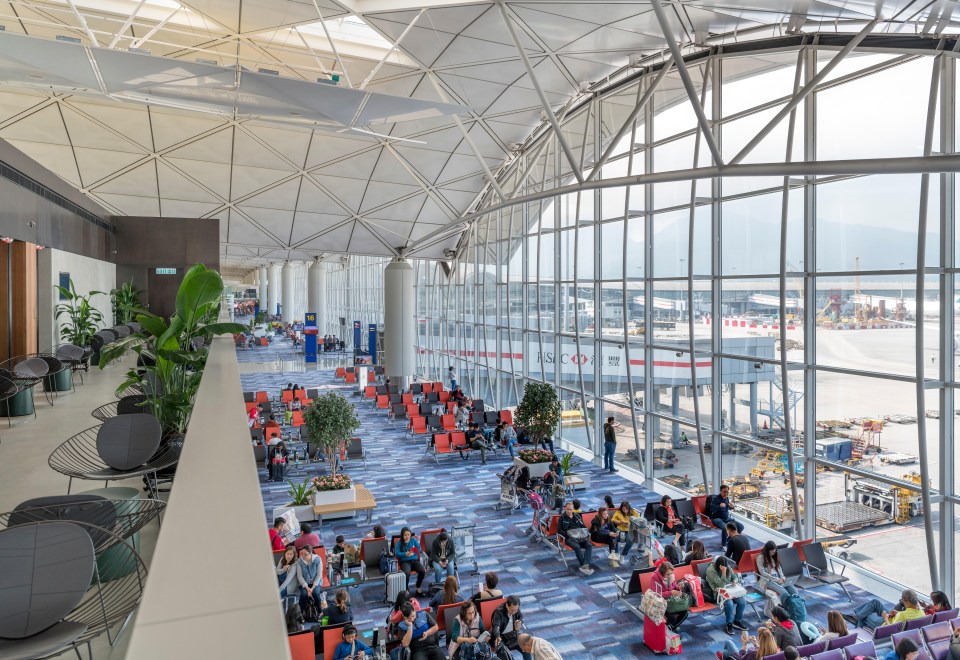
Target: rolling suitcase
{"type": "Point", "coordinates": [395, 583]}
{"type": "Point", "coordinates": [659, 639]}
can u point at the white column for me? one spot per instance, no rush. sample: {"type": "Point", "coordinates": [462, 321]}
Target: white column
{"type": "Point", "coordinates": [273, 289]}
{"type": "Point", "coordinates": [398, 323]}
{"type": "Point", "coordinates": [317, 293]}
{"type": "Point", "coordinates": [262, 282]}
{"type": "Point", "coordinates": [287, 293]}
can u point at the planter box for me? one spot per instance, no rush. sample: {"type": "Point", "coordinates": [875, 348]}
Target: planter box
{"type": "Point", "coordinates": [536, 469]}
{"type": "Point", "coordinates": [304, 512]}
{"type": "Point", "coordinates": [343, 496]}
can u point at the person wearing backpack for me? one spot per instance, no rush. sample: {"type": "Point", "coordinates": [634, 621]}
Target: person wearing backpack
{"type": "Point", "coordinates": [718, 508]}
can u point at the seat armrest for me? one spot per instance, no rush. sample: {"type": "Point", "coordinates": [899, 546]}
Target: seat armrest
{"type": "Point", "coordinates": [814, 570]}
{"type": "Point", "coordinates": [621, 586]}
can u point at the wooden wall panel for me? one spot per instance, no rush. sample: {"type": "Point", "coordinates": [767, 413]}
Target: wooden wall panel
{"type": "Point", "coordinates": [23, 298]}
{"type": "Point", "coordinates": [4, 303]}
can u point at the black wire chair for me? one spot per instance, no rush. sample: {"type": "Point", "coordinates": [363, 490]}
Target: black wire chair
{"type": "Point", "coordinates": [111, 599]}
{"type": "Point", "coordinates": [75, 357]}
{"type": "Point", "coordinates": [8, 389]}
{"type": "Point", "coordinates": [26, 371]}
{"type": "Point", "coordinates": [55, 367]}
{"type": "Point", "coordinates": [127, 405]}
{"type": "Point", "coordinates": [78, 458]}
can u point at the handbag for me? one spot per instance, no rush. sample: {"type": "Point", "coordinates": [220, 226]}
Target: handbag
{"type": "Point", "coordinates": [696, 593]}
{"type": "Point", "coordinates": [679, 603]}
{"type": "Point", "coordinates": [577, 534]}
{"type": "Point", "coordinates": [653, 606]}
{"type": "Point", "coordinates": [674, 647]}
{"type": "Point", "coordinates": [734, 590]}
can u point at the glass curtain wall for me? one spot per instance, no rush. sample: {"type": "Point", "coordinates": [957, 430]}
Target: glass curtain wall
{"type": "Point", "coordinates": [771, 330]}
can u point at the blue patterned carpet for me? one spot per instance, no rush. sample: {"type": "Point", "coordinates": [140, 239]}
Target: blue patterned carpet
{"type": "Point", "coordinates": [579, 615]}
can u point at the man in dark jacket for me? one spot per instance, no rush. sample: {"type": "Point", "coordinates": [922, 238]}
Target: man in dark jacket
{"type": "Point", "coordinates": [737, 543]}
{"type": "Point", "coordinates": [582, 547]}
{"type": "Point", "coordinates": [442, 556]}
{"type": "Point", "coordinates": [719, 512]}
{"type": "Point", "coordinates": [505, 625]}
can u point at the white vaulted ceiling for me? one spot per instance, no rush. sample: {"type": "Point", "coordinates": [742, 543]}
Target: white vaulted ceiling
{"type": "Point", "coordinates": [272, 156]}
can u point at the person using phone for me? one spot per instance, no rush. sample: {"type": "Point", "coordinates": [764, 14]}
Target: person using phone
{"type": "Point", "coordinates": [351, 648]}
{"type": "Point", "coordinates": [465, 637]}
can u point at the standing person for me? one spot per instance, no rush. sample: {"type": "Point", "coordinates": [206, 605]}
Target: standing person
{"type": "Point", "coordinates": [537, 648]}
{"type": "Point", "coordinates": [770, 574]}
{"type": "Point", "coordinates": [600, 533]}
{"type": "Point", "coordinates": [737, 543]}
{"type": "Point", "coordinates": [570, 523]}
{"type": "Point", "coordinates": [509, 436]}
{"type": "Point", "coordinates": [718, 509]}
{"type": "Point", "coordinates": [505, 625]}
{"type": "Point", "coordinates": [310, 577]}
{"type": "Point", "coordinates": [671, 524]}
{"type": "Point", "coordinates": [609, 445]}
{"type": "Point", "coordinates": [443, 554]}
{"type": "Point", "coordinates": [720, 574]}
{"type": "Point", "coordinates": [452, 375]}
{"type": "Point", "coordinates": [407, 551]}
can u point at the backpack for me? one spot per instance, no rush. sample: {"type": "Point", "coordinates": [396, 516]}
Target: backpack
{"type": "Point", "coordinates": [795, 607]}
{"type": "Point", "coordinates": [384, 562]}
{"type": "Point", "coordinates": [311, 612]}
{"type": "Point", "coordinates": [712, 504]}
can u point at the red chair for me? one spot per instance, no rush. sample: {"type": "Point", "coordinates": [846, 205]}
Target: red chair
{"type": "Point", "coordinates": [450, 405]}
{"type": "Point", "coordinates": [441, 445]}
{"type": "Point", "coordinates": [262, 397]}
{"type": "Point", "coordinates": [383, 401]}
{"type": "Point", "coordinates": [351, 378]}
{"type": "Point", "coordinates": [700, 508]}
{"type": "Point", "coordinates": [413, 410]}
{"type": "Point", "coordinates": [297, 418]}
{"type": "Point", "coordinates": [506, 416]}
{"type": "Point", "coordinates": [302, 646]}
{"type": "Point", "coordinates": [332, 635]}
{"type": "Point", "coordinates": [371, 377]}
{"type": "Point", "coordinates": [272, 432]}
{"type": "Point", "coordinates": [449, 423]}
{"type": "Point", "coordinates": [370, 392]}
{"type": "Point", "coordinates": [438, 387]}
{"type": "Point", "coordinates": [418, 425]}
{"type": "Point", "coordinates": [250, 405]}
{"type": "Point", "coordinates": [406, 399]}
{"type": "Point", "coordinates": [286, 396]}
{"type": "Point", "coordinates": [458, 441]}
{"type": "Point", "coordinates": [441, 617]}
{"type": "Point", "coordinates": [486, 610]}
{"type": "Point", "coordinates": [301, 394]}
{"type": "Point", "coordinates": [444, 396]}
{"type": "Point", "coordinates": [322, 553]}
{"type": "Point", "coordinates": [748, 562]}
{"type": "Point", "coordinates": [340, 372]}
{"type": "Point", "coordinates": [427, 388]}
{"type": "Point", "coordinates": [799, 546]}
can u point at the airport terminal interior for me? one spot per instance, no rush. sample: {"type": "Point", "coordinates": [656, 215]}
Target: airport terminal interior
{"type": "Point", "coordinates": [281, 280]}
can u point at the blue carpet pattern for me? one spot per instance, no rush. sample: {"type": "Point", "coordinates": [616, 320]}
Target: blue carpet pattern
{"type": "Point", "coordinates": [579, 615]}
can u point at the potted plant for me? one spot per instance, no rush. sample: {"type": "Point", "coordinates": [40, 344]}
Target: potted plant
{"type": "Point", "coordinates": [126, 302]}
{"type": "Point", "coordinates": [334, 489]}
{"type": "Point", "coordinates": [569, 463]}
{"type": "Point", "coordinates": [299, 501]}
{"type": "Point", "coordinates": [537, 460]}
{"type": "Point", "coordinates": [539, 411]}
{"type": "Point", "coordinates": [331, 421]}
{"type": "Point", "coordinates": [82, 318]}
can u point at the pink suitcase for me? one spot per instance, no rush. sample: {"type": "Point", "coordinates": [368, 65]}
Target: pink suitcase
{"type": "Point", "coordinates": [660, 640]}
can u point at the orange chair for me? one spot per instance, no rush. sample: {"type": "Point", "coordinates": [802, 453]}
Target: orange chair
{"type": "Point", "coordinates": [427, 387]}
{"type": "Point", "coordinates": [302, 646]}
{"type": "Point", "coordinates": [350, 378]}
{"type": "Point", "coordinates": [406, 399]}
{"type": "Point", "coordinates": [332, 635]}
{"type": "Point", "coordinates": [413, 410]}
{"type": "Point", "coordinates": [370, 392]}
{"type": "Point", "coordinates": [450, 405]}
{"type": "Point", "coordinates": [438, 387]}
{"type": "Point", "coordinates": [297, 418]}
{"type": "Point", "coordinates": [340, 372]}
{"type": "Point", "coordinates": [700, 508]}
{"type": "Point", "coordinates": [448, 422]}
{"type": "Point", "coordinates": [383, 402]}
{"type": "Point", "coordinates": [286, 396]}
{"type": "Point", "coordinates": [506, 416]}
{"type": "Point", "coordinates": [748, 562]}
{"type": "Point", "coordinates": [272, 432]}
{"type": "Point", "coordinates": [441, 618]}
{"type": "Point", "coordinates": [486, 610]}
{"type": "Point", "coordinates": [418, 425]}
{"type": "Point", "coordinates": [300, 394]}
{"type": "Point", "coordinates": [262, 397]}
{"type": "Point", "coordinates": [371, 377]}
{"type": "Point", "coordinates": [443, 396]}
{"type": "Point", "coordinates": [441, 445]}
{"type": "Point", "coordinates": [458, 441]}
{"type": "Point", "coordinates": [799, 546]}
{"type": "Point", "coordinates": [250, 405]}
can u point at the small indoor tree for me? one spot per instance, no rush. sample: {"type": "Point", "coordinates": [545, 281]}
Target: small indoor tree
{"type": "Point", "coordinates": [331, 420]}
{"type": "Point", "coordinates": [83, 319]}
{"type": "Point", "coordinates": [539, 411]}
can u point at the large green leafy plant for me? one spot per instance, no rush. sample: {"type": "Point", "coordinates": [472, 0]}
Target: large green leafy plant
{"type": "Point", "coordinates": [83, 319]}
{"type": "Point", "coordinates": [126, 302]}
{"type": "Point", "coordinates": [539, 411]}
{"type": "Point", "coordinates": [331, 420]}
{"type": "Point", "coordinates": [171, 353]}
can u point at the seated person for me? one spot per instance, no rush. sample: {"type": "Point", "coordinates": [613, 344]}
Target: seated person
{"type": "Point", "coordinates": [449, 595]}
{"type": "Point", "coordinates": [873, 615]}
{"type": "Point", "coordinates": [719, 575]}
{"type": "Point", "coordinates": [698, 551]}
{"type": "Point", "coordinates": [296, 404]}
{"type": "Point", "coordinates": [538, 648]}
{"type": "Point", "coordinates": [570, 521]}
{"type": "Point", "coordinates": [308, 537]}
{"type": "Point", "coordinates": [664, 583]}
{"type": "Point", "coordinates": [489, 591]}
{"type": "Point", "coordinates": [621, 520]}
{"type": "Point", "coordinates": [906, 649]}
{"type": "Point", "coordinates": [418, 633]}
{"type": "Point", "coordinates": [938, 603]}
{"type": "Point", "coordinates": [719, 512]}
{"type": "Point", "coordinates": [340, 611]}
{"type": "Point", "coordinates": [277, 456]}
{"type": "Point", "coordinates": [475, 441]}
{"type": "Point", "coordinates": [769, 573]}
{"type": "Point", "coordinates": [761, 646]}
{"type": "Point", "coordinates": [505, 625]}
{"type": "Point", "coordinates": [272, 423]}
{"type": "Point", "coordinates": [403, 597]}
{"type": "Point", "coordinates": [407, 551]}
{"type": "Point", "coordinates": [600, 533]}
{"type": "Point", "coordinates": [278, 532]}
{"type": "Point", "coordinates": [351, 647]}
{"type": "Point", "coordinates": [466, 630]}
{"type": "Point", "coordinates": [443, 554]}
{"type": "Point", "coordinates": [836, 627]}
{"type": "Point", "coordinates": [668, 520]}
{"type": "Point", "coordinates": [737, 543]}
{"type": "Point", "coordinates": [785, 631]}
{"type": "Point", "coordinates": [309, 577]}
{"type": "Point", "coordinates": [287, 571]}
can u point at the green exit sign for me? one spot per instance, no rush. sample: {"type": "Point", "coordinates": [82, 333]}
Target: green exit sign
{"type": "Point", "coordinates": [166, 271]}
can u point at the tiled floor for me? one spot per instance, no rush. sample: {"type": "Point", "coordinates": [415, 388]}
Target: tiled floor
{"type": "Point", "coordinates": [579, 615]}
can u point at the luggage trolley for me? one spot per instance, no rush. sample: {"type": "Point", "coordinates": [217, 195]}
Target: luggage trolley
{"type": "Point", "coordinates": [462, 536]}
{"type": "Point", "coordinates": [510, 495]}
{"type": "Point", "coordinates": [648, 548]}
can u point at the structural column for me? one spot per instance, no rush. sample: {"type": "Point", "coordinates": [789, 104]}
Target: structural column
{"type": "Point", "coordinates": [262, 274]}
{"type": "Point", "coordinates": [398, 323]}
{"type": "Point", "coordinates": [317, 293]}
{"type": "Point", "coordinates": [753, 409]}
{"type": "Point", "coordinates": [287, 293]}
{"type": "Point", "coordinates": [273, 289]}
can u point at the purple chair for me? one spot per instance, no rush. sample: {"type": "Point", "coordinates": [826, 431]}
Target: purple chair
{"type": "Point", "coordinates": [911, 634]}
{"type": "Point", "coordinates": [946, 616]}
{"type": "Point", "coordinates": [835, 654]}
{"type": "Point", "coordinates": [937, 636]}
{"type": "Point", "coordinates": [861, 648]}
{"type": "Point", "coordinates": [841, 642]}
{"type": "Point", "coordinates": [807, 650]}
{"type": "Point", "coordinates": [955, 623]}
{"type": "Point", "coordinates": [777, 656]}
{"type": "Point", "coordinates": [884, 632]}
{"type": "Point", "coordinates": [916, 624]}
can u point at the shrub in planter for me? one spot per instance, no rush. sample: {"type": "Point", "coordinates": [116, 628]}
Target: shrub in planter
{"type": "Point", "coordinates": [332, 482]}
{"type": "Point", "coordinates": [539, 411]}
{"type": "Point", "coordinates": [535, 456]}
{"type": "Point", "coordinates": [331, 420]}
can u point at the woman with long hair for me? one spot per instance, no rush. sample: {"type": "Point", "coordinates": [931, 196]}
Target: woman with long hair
{"type": "Point", "coordinates": [697, 552]}
{"type": "Point", "coordinates": [600, 532]}
{"type": "Point", "coordinates": [339, 611]}
{"type": "Point", "coordinates": [448, 595]}
{"type": "Point", "coordinates": [752, 648]}
{"type": "Point", "coordinates": [467, 628]}
{"type": "Point", "coordinates": [287, 571]}
{"type": "Point", "coordinates": [836, 627]}
{"type": "Point", "coordinates": [938, 603]}
{"type": "Point", "coordinates": [771, 574]}
{"type": "Point", "coordinates": [621, 520]}
{"type": "Point", "coordinates": [402, 597]}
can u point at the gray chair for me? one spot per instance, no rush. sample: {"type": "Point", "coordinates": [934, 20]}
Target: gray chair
{"type": "Point", "coordinates": [122, 447]}
{"type": "Point", "coordinates": [356, 452]}
{"type": "Point", "coordinates": [26, 371]}
{"type": "Point", "coordinates": [820, 570]}
{"type": "Point", "coordinates": [75, 357]}
{"type": "Point", "coordinates": [122, 331]}
{"type": "Point", "coordinates": [104, 594]}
